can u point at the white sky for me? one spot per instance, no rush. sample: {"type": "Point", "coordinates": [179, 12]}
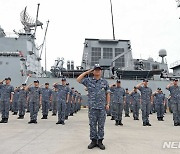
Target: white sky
{"type": "Point", "coordinates": [150, 25]}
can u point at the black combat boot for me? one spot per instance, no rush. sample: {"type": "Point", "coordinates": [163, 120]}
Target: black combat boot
{"type": "Point", "coordinates": [43, 117]}
{"type": "Point", "coordinates": [2, 121]}
{"type": "Point", "coordinates": [112, 118]}
{"type": "Point", "coordinates": [54, 114]}
{"type": "Point", "coordinates": [20, 117]}
{"type": "Point", "coordinates": [35, 121]}
{"type": "Point", "coordinates": [144, 123]}
{"type": "Point", "coordinates": [92, 144]}
{"type": "Point", "coordinates": [62, 122]}
{"type": "Point", "coordinates": [120, 123]}
{"type": "Point", "coordinates": [117, 123]}
{"type": "Point", "coordinates": [162, 119]}
{"type": "Point", "coordinates": [148, 124]}
{"type": "Point", "coordinates": [66, 117]}
{"type": "Point", "coordinates": [59, 122]}
{"type": "Point", "coordinates": [15, 113]}
{"type": "Point", "coordinates": [100, 144]}
{"type": "Point", "coordinates": [30, 122]}
{"type": "Point", "coordinates": [5, 120]}
{"type": "Point", "coordinates": [176, 124]}
{"type": "Point", "coordinates": [158, 118]}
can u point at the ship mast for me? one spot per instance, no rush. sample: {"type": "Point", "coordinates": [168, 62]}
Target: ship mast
{"type": "Point", "coordinates": [112, 20]}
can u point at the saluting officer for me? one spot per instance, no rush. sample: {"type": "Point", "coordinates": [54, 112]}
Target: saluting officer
{"type": "Point", "coordinates": [6, 98]}
{"type": "Point", "coordinates": [159, 103]}
{"type": "Point", "coordinates": [98, 99]}
{"type": "Point", "coordinates": [135, 101]}
{"type": "Point", "coordinates": [175, 100]}
{"type": "Point", "coordinates": [46, 99]}
{"type": "Point", "coordinates": [146, 101]}
{"type": "Point", "coordinates": [63, 98]}
{"type": "Point", "coordinates": [35, 100]}
{"type": "Point", "coordinates": [22, 101]}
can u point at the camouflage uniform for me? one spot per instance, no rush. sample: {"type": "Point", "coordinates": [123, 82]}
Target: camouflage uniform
{"type": "Point", "coordinates": [127, 104]}
{"type": "Point", "coordinates": [159, 104]}
{"type": "Point", "coordinates": [68, 106]}
{"type": "Point", "coordinates": [71, 94]}
{"type": "Point", "coordinates": [112, 104]}
{"type": "Point", "coordinates": [54, 101]}
{"type": "Point", "coordinates": [118, 100]}
{"type": "Point", "coordinates": [63, 91]}
{"type": "Point", "coordinates": [146, 94]}
{"type": "Point", "coordinates": [6, 91]}
{"type": "Point", "coordinates": [34, 101]}
{"type": "Point", "coordinates": [22, 101]}
{"type": "Point", "coordinates": [175, 100]}
{"type": "Point", "coordinates": [46, 95]}
{"type": "Point", "coordinates": [97, 90]}
{"type": "Point", "coordinates": [15, 101]}
{"type": "Point", "coordinates": [135, 101]}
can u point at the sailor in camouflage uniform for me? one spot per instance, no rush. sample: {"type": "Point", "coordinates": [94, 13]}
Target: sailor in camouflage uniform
{"type": "Point", "coordinates": [35, 100]}
{"type": "Point", "coordinates": [175, 100]}
{"type": "Point", "coordinates": [15, 101]}
{"type": "Point", "coordinates": [54, 101]}
{"type": "Point", "coordinates": [22, 101]}
{"type": "Point", "coordinates": [127, 103]}
{"type": "Point", "coordinates": [159, 103]}
{"type": "Point", "coordinates": [146, 101]}
{"type": "Point", "coordinates": [6, 98]}
{"type": "Point", "coordinates": [46, 99]}
{"type": "Point", "coordinates": [135, 101]}
{"type": "Point", "coordinates": [68, 105]}
{"type": "Point", "coordinates": [71, 99]}
{"type": "Point", "coordinates": [118, 100]}
{"type": "Point", "coordinates": [63, 98]}
{"type": "Point", "coordinates": [112, 104]}
{"type": "Point", "coordinates": [98, 99]}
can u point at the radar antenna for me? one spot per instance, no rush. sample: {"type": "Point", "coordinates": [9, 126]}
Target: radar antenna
{"type": "Point", "coordinates": [28, 22]}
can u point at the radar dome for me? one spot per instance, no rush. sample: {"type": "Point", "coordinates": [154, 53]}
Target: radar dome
{"type": "Point", "coordinates": [162, 53]}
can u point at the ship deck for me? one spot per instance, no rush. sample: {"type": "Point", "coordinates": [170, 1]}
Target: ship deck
{"type": "Point", "coordinates": [46, 137]}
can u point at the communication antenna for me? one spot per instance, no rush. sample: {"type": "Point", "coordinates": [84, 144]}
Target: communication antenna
{"type": "Point", "coordinates": [112, 20]}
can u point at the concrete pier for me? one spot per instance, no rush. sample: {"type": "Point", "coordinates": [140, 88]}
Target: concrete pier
{"type": "Point", "coordinates": [19, 137]}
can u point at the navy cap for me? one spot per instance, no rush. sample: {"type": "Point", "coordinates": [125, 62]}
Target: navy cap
{"type": "Point", "coordinates": [175, 80]}
{"type": "Point", "coordinates": [46, 83]}
{"type": "Point", "coordinates": [8, 78]}
{"type": "Point", "coordinates": [145, 80]}
{"type": "Point", "coordinates": [63, 79]}
{"type": "Point", "coordinates": [126, 88]}
{"type": "Point", "coordinates": [72, 88]}
{"type": "Point", "coordinates": [36, 81]}
{"type": "Point", "coordinates": [97, 66]}
{"type": "Point", "coordinates": [118, 81]}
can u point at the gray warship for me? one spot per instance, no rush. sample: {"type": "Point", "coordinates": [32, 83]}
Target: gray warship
{"type": "Point", "coordinates": [20, 58]}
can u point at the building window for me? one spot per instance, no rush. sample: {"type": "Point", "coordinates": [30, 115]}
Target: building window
{"type": "Point", "coordinates": [95, 55]}
{"type": "Point", "coordinates": [107, 53]}
{"type": "Point", "coordinates": [120, 62]}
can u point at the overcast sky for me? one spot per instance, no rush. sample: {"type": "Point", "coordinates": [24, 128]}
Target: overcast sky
{"type": "Point", "coordinates": [151, 25]}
